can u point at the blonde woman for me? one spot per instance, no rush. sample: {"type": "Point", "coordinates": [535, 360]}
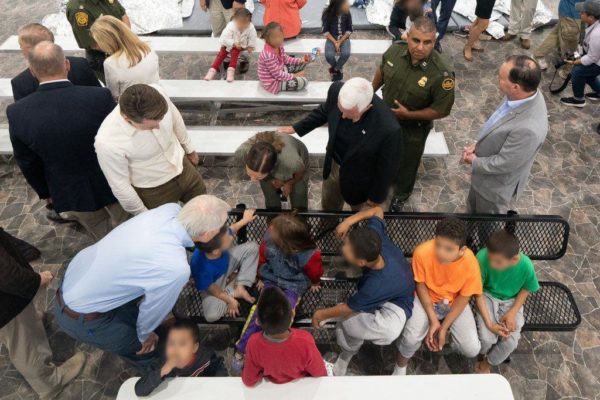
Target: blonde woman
{"type": "Point", "coordinates": [130, 61]}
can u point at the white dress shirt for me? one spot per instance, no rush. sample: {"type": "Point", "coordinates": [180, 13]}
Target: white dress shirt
{"type": "Point", "coordinates": [119, 75]}
{"type": "Point", "coordinates": [144, 256]}
{"type": "Point", "coordinates": [141, 158]}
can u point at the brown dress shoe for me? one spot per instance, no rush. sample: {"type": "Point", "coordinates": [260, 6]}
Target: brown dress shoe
{"type": "Point", "coordinates": [508, 37]}
{"type": "Point", "coordinates": [525, 44]}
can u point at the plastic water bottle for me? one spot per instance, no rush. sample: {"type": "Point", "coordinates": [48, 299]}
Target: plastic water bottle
{"type": "Point", "coordinates": [442, 308]}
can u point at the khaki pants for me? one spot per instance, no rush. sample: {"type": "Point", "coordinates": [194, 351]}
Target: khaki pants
{"type": "Point", "coordinates": [521, 18]}
{"type": "Point", "coordinates": [219, 17]}
{"type": "Point", "coordinates": [564, 37]}
{"type": "Point", "coordinates": [100, 222]}
{"type": "Point", "coordinates": [331, 194]}
{"type": "Point", "coordinates": [183, 187]}
{"type": "Point", "coordinates": [28, 349]}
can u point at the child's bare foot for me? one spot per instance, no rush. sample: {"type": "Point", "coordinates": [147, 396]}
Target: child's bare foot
{"type": "Point", "coordinates": [240, 292]}
{"type": "Point", "coordinates": [483, 367]}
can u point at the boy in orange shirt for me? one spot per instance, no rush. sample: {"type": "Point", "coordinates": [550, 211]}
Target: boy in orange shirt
{"type": "Point", "coordinates": [447, 275]}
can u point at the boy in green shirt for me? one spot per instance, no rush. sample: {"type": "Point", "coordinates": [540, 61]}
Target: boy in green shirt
{"type": "Point", "coordinates": [508, 277]}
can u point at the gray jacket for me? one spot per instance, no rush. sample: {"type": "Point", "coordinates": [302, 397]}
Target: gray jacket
{"type": "Point", "coordinates": [506, 151]}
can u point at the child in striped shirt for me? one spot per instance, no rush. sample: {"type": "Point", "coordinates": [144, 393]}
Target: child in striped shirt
{"type": "Point", "coordinates": [278, 71]}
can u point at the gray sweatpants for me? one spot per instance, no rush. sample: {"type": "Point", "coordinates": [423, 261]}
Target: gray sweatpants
{"type": "Point", "coordinates": [381, 327]}
{"type": "Point", "coordinates": [243, 259]}
{"type": "Point", "coordinates": [463, 332]}
{"type": "Point", "coordinates": [495, 348]}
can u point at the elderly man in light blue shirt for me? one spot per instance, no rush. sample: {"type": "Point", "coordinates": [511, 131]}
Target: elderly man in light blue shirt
{"type": "Point", "coordinates": [118, 291]}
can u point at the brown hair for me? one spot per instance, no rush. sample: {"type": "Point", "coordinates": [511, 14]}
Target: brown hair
{"type": "Point", "coordinates": [32, 34]}
{"type": "Point", "coordinates": [242, 13]}
{"type": "Point", "coordinates": [139, 102]}
{"type": "Point", "coordinates": [114, 37]}
{"type": "Point", "coordinates": [262, 156]}
{"type": "Point", "coordinates": [268, 30]}
{"type": "Point", "coordinates": [293, 233]}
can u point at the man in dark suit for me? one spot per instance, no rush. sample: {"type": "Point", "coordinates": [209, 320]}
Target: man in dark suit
{"type": "Point", "coordinates": [361, 160]}
{"type": "Point", "coordinates": [25, 83]}
{"type": "Point", "coordinates": [22, 331]}
{"type": "Point", "coordinates": [52, 132]}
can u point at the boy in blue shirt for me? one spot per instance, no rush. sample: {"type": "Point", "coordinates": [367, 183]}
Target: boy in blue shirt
{"type": "Point", "coordinates": [383, 303]}
{"type": "Point", "coordinates": [222, 271]}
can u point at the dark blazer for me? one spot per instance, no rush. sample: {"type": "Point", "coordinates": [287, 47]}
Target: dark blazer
{"type": "Point", "coordinates": [52, 132]}
{"type": "Point", "coordinates": [80, 74]}
{"type": "Point", "coordinates": [370, 166]}
{"type": "Point", "coordinates": [18, 281]}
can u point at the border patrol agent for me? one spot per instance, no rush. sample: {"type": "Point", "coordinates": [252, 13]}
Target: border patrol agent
{"type": "Point", "coordinates": [419, 87]}
{"type": "Point", "coordinates": [81, 15]}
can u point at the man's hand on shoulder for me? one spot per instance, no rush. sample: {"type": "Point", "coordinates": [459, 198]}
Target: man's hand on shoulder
{"type": "Point", "coordinates": [286, 129]}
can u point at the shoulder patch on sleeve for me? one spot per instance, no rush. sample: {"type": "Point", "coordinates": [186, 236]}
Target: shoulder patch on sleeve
{"type": "Point", "coordinates": [448, 84]}
{"type": "Point", "coordinates": [82, 18]}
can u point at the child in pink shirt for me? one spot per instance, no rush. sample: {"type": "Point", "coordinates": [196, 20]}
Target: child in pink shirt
{"type": "Point", "coordinates": [276, 70]}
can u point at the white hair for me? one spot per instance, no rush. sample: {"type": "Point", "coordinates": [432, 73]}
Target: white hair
{"type": "Point", "coordinates": [203, 214]}
{"type": "Point", "coordinates": [356, 92]}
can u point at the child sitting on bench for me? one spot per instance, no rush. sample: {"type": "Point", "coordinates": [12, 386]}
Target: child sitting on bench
{"type": "Point", "coordinates": [184, 357]}
{"type": "Point", "coordinates": [222, 271]}
{"type": "Point", "coordinates": [508, 277]}
{"type": "Point", "coordinates": [280, 353]}
{"type": "Point", "coordinates": [383, 303]}
{"type": "Point", "coordinates": [337, 27]}
{"type": "Point", "coordinates": [447, 275]}
{"type": "Point", "coordinates": [238, 35]}
{"type": "Point", "coordinates": [289, 260]}
{"type": "Point", "coordinates": [276, 70]}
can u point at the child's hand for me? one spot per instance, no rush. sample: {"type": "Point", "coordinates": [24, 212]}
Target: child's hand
{"type": "Point", "coordinates": [337, 45]}
{"type": "Point", "coordinates": [237, 46]}
{"type": "Point", "coordinates": [430, 339]}
{"type": "Point", "coordinates": [203, 5]}
{"type": "Point", "coordinates": [315, 287]}
{"type": "Point", "coordinates": [299, 74]}
{"type": "Point", "coordinates": [342, 230]}
{"type": "Point", "coordinates": [250, 49]}
{"type": "Point", "coordinates": [306, 59]}
{"type": "Point", "coordinates": [509, 320]}
{"type": "Point", "coordinates": [233, 308]}
{"type": "Point", "coordinates": [287, 188]}
{"type": "Point", "coordinates": [260, 285]}
{"type": "Point", "coordinates": [499, 330]}
{"type": "Point", "coordinates": [249, 215]}
{"type": "Point", "coordinates": [167, 368]}
{"type": "Point", "coordinates": [440, 338]}
{"type": "Point", "coordinates": [277, 184]}
{"type": "Point", "coordinates": [317, 319]}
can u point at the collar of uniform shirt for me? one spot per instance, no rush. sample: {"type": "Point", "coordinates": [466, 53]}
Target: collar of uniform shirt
{"type": "Point", "coordinates": [423, 64]}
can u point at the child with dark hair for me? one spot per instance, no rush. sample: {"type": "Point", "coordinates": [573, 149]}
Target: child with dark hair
{"type": "Point", "coordinates": [383, 303]}
{"type": "Point", "coordinates": [403, 13]}
{"type": "Point", "coordinates": [289, 260]}
{"type": "Point", "coordinates": [278, 71]}
{"type": "Point", "coordinates": [184, 357]}
{"type": "Point", "coordinates": [280, 353]}
{"type": "Point", "coordinates": [508, 277]}
{"type": "Point", "coordinates": [279, 162]}
{"type": "Point", "coordinates": [447, 275]}
{"type": "Point", "coordinates": [337, 27]}
{"type": "Point", "coordinates": [222, 271]}
{"type": "Point", "coordinates": [239, 35]}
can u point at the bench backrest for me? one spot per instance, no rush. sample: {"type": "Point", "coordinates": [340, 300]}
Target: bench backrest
{"type": "Point", "coordinates": [542, 237]}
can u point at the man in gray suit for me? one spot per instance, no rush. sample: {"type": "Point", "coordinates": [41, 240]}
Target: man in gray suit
{"type": "Point", "coordinates": [508, 142]}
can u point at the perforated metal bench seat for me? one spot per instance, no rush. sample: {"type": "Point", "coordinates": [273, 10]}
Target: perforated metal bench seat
{"type": "Point", "coordinates": [552, 308]}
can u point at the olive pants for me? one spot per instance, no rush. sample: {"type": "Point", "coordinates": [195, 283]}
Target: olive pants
{"type": "Point", "coordinates": [413, 141]}
{"type": "Point", "coordinates": [183, 187]}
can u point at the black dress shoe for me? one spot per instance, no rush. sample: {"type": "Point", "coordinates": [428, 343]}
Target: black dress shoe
{"type": "Point", "coordinates": [244, 66]}
{"type": "Point", "coordinates": [55, 217]}
{"type": "Point", "coordinates": [598, 129]}
{"type": "Point", "coordinates": [397, 204]}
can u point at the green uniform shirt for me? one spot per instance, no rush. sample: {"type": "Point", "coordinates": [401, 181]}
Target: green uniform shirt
{"type": "Point", "coordinates": [427, 84]}
{"type": "Point", "coordinates": [82, 14]}
{"type": "Point", "coordinates": [507, 284]}
{"type": "Point", "coordinates": [293, 157]}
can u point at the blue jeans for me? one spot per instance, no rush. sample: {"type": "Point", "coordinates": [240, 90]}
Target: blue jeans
{"type": "Point", "coordinates": [114, 332]}
{"type": "Point", "coordinates": [445, 14]}
{"type": "Point", "coordinates": [330, 54]}
{"type": "Point", "coordinates": [582, 74]}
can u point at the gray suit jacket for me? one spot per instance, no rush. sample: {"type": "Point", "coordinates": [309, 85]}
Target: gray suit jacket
{"type": "Point", "coordinates": [506, 151]}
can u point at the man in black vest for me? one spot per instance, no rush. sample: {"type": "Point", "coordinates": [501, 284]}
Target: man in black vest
{"type": "Point", "coordinates": [362, 156]}
{"type": "Point", "coordinates": [52, 132]}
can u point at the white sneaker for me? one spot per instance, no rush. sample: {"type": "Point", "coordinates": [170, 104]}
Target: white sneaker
{"type": "Point", "coordinates": [542, 63]}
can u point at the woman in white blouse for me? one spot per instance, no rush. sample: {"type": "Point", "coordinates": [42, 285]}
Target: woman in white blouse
{"type": "Point", "coordinates": [131, 61]}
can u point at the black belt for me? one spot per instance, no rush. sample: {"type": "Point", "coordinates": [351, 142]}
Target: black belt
{"type": "Point", "coordinates": [74, 314]}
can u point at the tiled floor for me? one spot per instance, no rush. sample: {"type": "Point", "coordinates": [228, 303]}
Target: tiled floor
{"type": "Point", "coordinates": [565, 181]}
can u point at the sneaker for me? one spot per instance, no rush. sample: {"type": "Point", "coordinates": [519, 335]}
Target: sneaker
{"type": "Point", "coordinates": [243, 66]}
{"type": "Point", "coordinates": [508, 37]}
{"type": "Point", "coordinates": [592, 96]}
{"type": "Point", "coordinates": [210, 75]}
{"type": "Point", "coordinates": [230, 74]}
{"type": "Point", "coordinates": [525, 44]}
{"type": "Point", "coordinates": [237, 364]}
{"type": "Point", "coordinates": [542, 63]}
{"type": "Point", "coordinates": [572, 102]}
{"type": "Point", "coordinates": [337, 76]}
{"type": "Point", "coordinates": [68, 371]}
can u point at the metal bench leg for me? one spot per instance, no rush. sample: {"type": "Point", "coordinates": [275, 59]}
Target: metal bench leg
{"type": "Point", "coordinates": [215, 108]}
